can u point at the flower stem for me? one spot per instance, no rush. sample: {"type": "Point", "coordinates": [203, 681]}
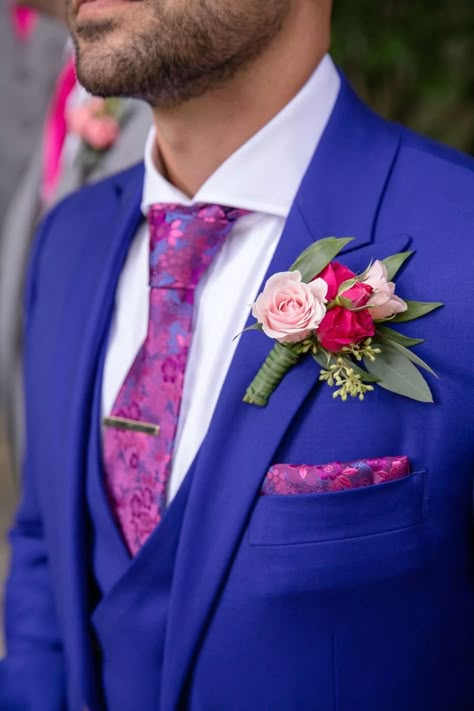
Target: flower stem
{"type": "Point", "coordinates": [277, 364]}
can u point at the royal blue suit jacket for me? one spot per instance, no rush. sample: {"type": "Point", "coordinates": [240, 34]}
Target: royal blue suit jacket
{"type": "Point", "coordinates": [356, 600]}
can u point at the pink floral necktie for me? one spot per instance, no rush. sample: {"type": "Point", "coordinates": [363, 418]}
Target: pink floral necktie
{"type": "Point", "coordinates": [183, 242]}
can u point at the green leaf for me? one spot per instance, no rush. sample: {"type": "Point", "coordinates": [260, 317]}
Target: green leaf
{"type": "Point", "coordinates": [346, 285]}
{"type": "Point", "coordinates": [316, 257]}
{"type": "Point", "coordinates": [254, 327]}
{"type": "Point", "coordinates": [401, 343]}
{"type": "Point", "coordinates": [346, 303]}
{"type": "Point", "coordinates": [413, 357]}
{"type": "Point", "coordinates": [322, 359]}
{"type": "Point", "coordinates": [398, 374]}
{"type": "Point", "coordinates": [395, 263]}
{"type": "Point", "coordinates": [416, 309]}
{"type": "Point", "coordinates": [392, 335]}
{"type": "Point", "coordinates": [363, 275]}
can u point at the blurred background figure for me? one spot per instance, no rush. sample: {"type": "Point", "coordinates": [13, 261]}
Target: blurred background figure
{"type": "Point", "coordinates": [54, 138]}
{"type": "Point", "coordinates": [82, 140]}
{"type": "Point", "coordinates": [31, 50]}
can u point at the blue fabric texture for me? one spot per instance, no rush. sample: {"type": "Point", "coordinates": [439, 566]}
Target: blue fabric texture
{"type": "Point", "coordinates": [342, 602]}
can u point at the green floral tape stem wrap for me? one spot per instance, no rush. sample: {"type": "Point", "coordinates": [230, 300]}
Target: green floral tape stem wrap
{"type": "Point", "coordinates": [277, 364]}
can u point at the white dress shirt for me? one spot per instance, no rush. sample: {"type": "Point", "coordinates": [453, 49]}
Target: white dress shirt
{"type": "Point", "coordinates": [262, 176]}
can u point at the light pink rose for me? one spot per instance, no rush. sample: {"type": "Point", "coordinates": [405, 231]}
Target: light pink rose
{"type": "Point", "coordinates": [288, 309]}
{"type": "Point", "coordinates": [101, 132]}
{"type": "Point", "coordinates": [383, 301]}
{"type": "Point", "coordinates": [92, 124]}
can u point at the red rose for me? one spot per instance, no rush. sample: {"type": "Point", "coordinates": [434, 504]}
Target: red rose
{"type": "Point", "coordinates": [335, 274]}
{"type": "Point", "coordinates": [359, 294]}
{"type": "Point", "coordinates": [341, 327]}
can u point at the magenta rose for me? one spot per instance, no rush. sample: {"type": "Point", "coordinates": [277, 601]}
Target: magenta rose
{"type": "Point", "coordinates": [335, 274]}
{"type": "Point", "coordinates": [341, 327]}
{"type": "Point", "coordinates": [288, 309]}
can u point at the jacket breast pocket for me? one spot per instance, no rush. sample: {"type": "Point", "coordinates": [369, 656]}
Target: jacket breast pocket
{"type": "Point", "coordinates": [340, 540]}
{"type": "Point", "coordinates": [353, 513]}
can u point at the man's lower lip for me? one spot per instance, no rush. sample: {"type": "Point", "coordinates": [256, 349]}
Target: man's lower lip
{"type": "Point", "coordinates": [90, 7]}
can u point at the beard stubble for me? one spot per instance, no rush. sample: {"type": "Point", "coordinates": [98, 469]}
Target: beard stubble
{"type": "Point", "coordinates": [170, 53]}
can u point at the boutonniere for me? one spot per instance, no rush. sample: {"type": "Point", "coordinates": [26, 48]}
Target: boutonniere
{"type": "Point", "coordinates": [96, 122]}
{"type": "Point", "coordinates": [321, 309]}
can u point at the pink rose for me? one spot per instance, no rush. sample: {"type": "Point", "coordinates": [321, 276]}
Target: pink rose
{"type": "Point", "coordinates": [92, 124]}
{"type": "Point", "coordinates": [288, 309]}
{"type": "Point", "coordinates": [359, 294]}
{"type": "Point", "coordinates": [101, 132]}
{"type": "Point", "coordinates": [77, 118]}
{"type": "Point", "coordinates": [383, 300]}
{"type": "Point", "coordinates": [341, 327]}
{"type": "Point", "coordinates": [335, 274]}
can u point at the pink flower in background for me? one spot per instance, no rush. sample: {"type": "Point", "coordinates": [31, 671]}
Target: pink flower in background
{"type": "Point", "coordinates": [288, 309]}
{"type": "Point", "coordinates": [383, 301]}
{"type": "Point", "coordinates": [93, 124]}
{"type": "Point", "coordinates": [24, 20]}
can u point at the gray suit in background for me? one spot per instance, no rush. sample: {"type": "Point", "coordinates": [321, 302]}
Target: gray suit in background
{"type": "Point", "coordinates": [28, 71]}
{"type": "Point", "coordinates": [18, 229]}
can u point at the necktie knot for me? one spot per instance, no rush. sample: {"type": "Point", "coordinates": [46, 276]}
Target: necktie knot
{"type": "Point", "coordinates": [184, 240]}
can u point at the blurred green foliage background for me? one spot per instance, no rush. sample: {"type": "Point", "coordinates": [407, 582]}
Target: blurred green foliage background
{"type": "Point", "coordinates": [412, 61]}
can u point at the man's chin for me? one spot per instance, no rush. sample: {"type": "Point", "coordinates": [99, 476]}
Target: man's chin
{"type": "Point", "coordinates": [97, 73]}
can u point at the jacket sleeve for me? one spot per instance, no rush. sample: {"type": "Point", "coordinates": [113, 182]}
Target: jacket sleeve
{"type": "Point", "coordinates": [32, 676]}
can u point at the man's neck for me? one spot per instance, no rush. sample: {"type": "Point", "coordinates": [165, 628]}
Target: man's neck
{"type": "Point", "coordinates": [195, 138]}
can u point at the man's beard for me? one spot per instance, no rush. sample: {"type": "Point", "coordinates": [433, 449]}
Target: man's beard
{"type": "Point", "coordinates": [178, 53]}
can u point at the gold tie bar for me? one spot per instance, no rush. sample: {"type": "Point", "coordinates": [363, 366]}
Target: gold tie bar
{"type": "Point", "coordinates": [121, 423]}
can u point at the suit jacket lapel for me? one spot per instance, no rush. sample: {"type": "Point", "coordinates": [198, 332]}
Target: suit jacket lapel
{"type": "Point", "coordinates": [340, 196]}
{"type": "Point", "coordinates": [91, 305]}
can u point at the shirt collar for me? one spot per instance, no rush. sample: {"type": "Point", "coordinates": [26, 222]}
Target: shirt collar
{"type": "Point", "coordinates": [264, 174]}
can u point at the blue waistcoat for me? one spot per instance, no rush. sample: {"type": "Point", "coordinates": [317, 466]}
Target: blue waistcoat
{"type": "Point", "coordinates": [132, 599]}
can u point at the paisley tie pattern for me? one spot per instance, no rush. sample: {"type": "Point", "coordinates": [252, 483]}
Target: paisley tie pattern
{"type": "Point", "coordinates": [183, 242]}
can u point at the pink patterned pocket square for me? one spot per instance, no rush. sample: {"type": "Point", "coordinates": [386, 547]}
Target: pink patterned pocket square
{"type": "Point", "coordinates": [287, 479]}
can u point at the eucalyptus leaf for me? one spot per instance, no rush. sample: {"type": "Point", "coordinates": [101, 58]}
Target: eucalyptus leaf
{"type": "Point", "coordinates": [392, 335]}
{"type": "Point", "coordinates": [316, 257]}
{"type": "Point", "coordinates": [322, 359]}
{"type": "Point", "coordinates": [413, 357]}
{"type": "Point", "coordinates": [395, 263]}
{"type": "Point", "coordinates": [398, 374]}
{"type": "Point", "coordinates": [416, 309]}
{"type": "Point", "coordinates": [254, 327]}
